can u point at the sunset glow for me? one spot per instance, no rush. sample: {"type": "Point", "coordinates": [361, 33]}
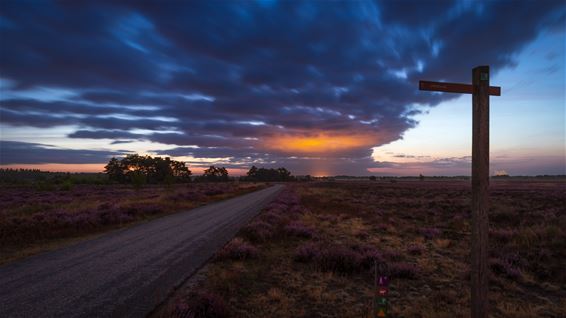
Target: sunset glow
{"type": "Point", "coordinates": [318, 144]}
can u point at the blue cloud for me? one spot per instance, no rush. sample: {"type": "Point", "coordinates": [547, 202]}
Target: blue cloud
{"type": "Point", "coordinates": [14, 152]}
{"type": "Point", "coordinates": [297, 67]}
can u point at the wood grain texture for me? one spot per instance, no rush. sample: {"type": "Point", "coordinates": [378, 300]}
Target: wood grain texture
{"type": "Point", "coordinates": [480, 188]}
{"type": "Point", "coordinates": [454, 88]}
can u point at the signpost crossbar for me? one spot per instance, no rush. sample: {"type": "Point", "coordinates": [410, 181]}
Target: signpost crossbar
{"type": "Point", "coordinates": [454, 88]}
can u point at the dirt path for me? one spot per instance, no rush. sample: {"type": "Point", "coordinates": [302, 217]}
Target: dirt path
{"type": "Point", "coordinates": [128, 272]}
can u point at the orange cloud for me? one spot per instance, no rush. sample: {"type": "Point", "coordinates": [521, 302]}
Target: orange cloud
{"type": "Point", "coordinates": [319, 144]}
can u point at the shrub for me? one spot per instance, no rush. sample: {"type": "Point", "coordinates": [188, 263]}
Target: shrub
{"type": "Point", "coordinates": [237, 249]}
{"type": "Point", "coordinates": [392, 255]}
{"type": "Point", "coordinates": [211, 192]}
{"type": "Point", "coordinates": [502, 235]}
{"type": "Point", "coordinates": [504, 267]}
{"type": "Point", "coordinates": [142, 209]}
{"type": "Point", "coordinates": [415, 249]}
{"type": "Point", "coordinates": [274, 218]}
{"type": "Point", "coordinates": [44, 186]}
{"type": "Point", "coordinates": [329, 218]}
{"type": "Point", "coordinates": [298, 229]}
{"type": "Point", "coordinates": [403, 270]}
{"type": "Point", "coordinates": [190, 196]}
{"type": "Point", "coordinates": [138, 179]}
{"type": "Point", "coordinates": [203, 304]}
{"type": "Point", "coordinates": [431, 232]}
{"type": "Point", "coordinates": [258, 231]}
{"type": "Point", "coordinates": [363, 234]}
{"type": "Point", "coordinates": [339, 259]}
{"type": "Point", "coordinates": [307, 252]}
{"type": "Point", "coordinates": [369, 256]}
{"type": "Point", "coordinates": [66, 186]}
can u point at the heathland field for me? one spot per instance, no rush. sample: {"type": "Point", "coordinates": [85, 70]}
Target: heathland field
{"type": "Point", "coordinates": [34, 219]}
{"type": "Point", "coordinates": [311, 253]}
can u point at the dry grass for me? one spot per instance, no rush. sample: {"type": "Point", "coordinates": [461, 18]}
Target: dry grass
{"type": "Point", "coordinates": [425, 225]}
{"type": "Point", "coordinates": [33, 221]}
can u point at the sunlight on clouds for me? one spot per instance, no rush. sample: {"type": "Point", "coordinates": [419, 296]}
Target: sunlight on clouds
{"type": "Point", "coordinates": [318, 144]}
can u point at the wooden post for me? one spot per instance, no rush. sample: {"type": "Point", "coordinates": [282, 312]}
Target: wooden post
{"type": "Point", "coordinates": [480, 184]}
{"type": "Point", "coordinates": [480, 91]}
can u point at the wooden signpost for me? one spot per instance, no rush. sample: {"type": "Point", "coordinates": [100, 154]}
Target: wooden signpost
{"type": "Point", "coordinates": [480, 91]}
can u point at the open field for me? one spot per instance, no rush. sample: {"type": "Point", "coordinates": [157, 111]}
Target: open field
{"type": "Point", "coordinates": [125, 273]}
{"type": "Point", "coordinates": [311, 253]}
{"type": "Point", "coordinates": [33, 220]}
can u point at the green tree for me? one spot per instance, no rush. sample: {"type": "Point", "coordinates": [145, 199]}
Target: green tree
{"type": "Point", "coordinates": [115, 171]}
{"type": "Point", "coordinates": [263, 174]}
{"type": "Point", "coordinates": [252, 174]}
{"type": "Point", "coordinates": [154, 170]}
{"type": "Point", "coordinates": [180, 171]}
{"type": "Point", "coordinates": [139, 179]}
{"type": "Point", "coordinates": [214, 174]}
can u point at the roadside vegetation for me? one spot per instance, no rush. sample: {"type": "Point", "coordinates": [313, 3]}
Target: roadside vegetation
{"type": "Point", "coordinates": [43, 210]}
{"type": "Point", "coordinates": [31, 219]}
{"type": "Point", "coordinates": [310, 253]}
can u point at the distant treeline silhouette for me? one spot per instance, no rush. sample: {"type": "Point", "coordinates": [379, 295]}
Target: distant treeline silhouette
{"type": "Point", "coordinates": [214, 174]}
{"type": "Point", "coordinates": [139, 170]}
{"type": "Point", "coordinates": [264, 174]}
{"type": "Point", "coordinates": [46, 179]}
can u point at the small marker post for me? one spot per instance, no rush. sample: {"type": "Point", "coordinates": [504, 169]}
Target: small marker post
{"type": "Point", "coordinates": [382, 291]}
{"type": "Point", "coordinates": [374, 286]}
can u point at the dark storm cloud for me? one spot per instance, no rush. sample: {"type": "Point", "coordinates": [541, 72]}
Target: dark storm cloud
{"type": "Point", "coordinates": [105, 134]}
{"type": "Point", "coordinates": [13, 152]}
{"type": "Point", "coordinates": [234, 74]}
{"type": "Point", "coordinates": [117, 142]}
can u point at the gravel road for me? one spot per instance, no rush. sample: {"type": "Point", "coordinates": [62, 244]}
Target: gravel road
{"type": "Point", "coordinates": [128, 272]}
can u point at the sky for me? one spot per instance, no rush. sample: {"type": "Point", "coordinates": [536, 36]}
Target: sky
{"type": "Point", "coordinates": [321, 88]}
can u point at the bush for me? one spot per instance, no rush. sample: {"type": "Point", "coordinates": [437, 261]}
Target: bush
{"type": "Point", "coordinates": [369, 256]}
{"type": "Point", "coordinates": [339, 259]}
{"type": "Point", "coordinates": [44, 186]}
{"type": "Point", "coordinates": [67, 185]}
{"type": "Point", "coordinates": [138, 179]}
{"type": "Point", "coordinates": [203, 304]}
{"type": "Point", "coordinates": [298, 229]}
{"type": "Point", "coordinates": [403, 270]}
{"type": "Point", "coordinates": [502, 235]}
{"type": "Point", "coordinates": [307, 252]}
{"type": "Point", "coordinates": [237, 249]}
{"type": "Point", "coordinates": [258, 231]}
{"type": "Point", "coordinates": [431, 232]}
{"type": "Point", "coordinates": [504, 267]}
{"type": "Point", "coordinates": [415, 249]}
{"type": "Point", "coordinates": [346, 260]}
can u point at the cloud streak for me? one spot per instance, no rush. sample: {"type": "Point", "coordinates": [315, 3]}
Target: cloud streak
{"type": "Point", "coordinates": [32, 153]}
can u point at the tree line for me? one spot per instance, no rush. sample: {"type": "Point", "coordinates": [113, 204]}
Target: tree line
{"type": "Point", "coordinates": [265, 174]}
{"type": "Point", "coordinates": [138, 170]}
